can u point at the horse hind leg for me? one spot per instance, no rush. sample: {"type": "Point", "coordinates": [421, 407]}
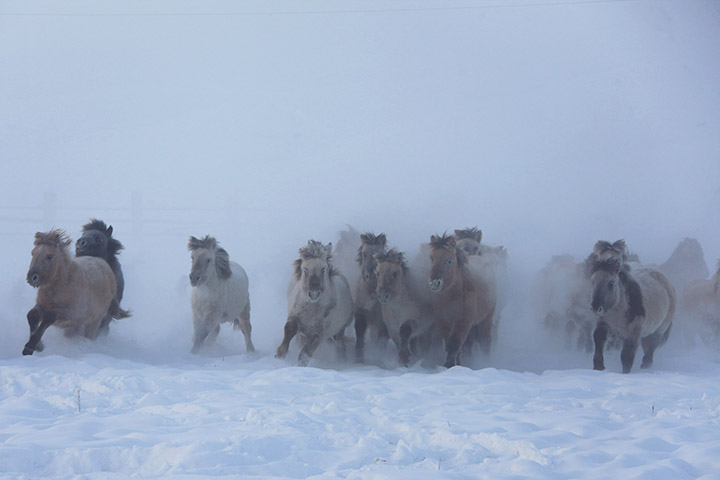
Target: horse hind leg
{"type": "Point", "coordinates": [627, 354]}
{"type": "Point", "coordinates": [243, 324]}
{"type": "Point", "coordinates": [649, 344]}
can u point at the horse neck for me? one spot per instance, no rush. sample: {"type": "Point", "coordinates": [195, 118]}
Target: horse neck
{"type": "Point", "coordinates": [65, 271]}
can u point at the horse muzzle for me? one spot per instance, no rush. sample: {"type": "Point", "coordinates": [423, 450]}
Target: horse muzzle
{"type": "Point", "coordinates": [435, 284]}
{"type": "Point", "coordinates": [314, 295]}
{"type": "Point", "coordinates": [195, 279]}
{"type": "Point", "coordinates": [33, 278]}
{"type": "Point", "coordinates": [383, 298]}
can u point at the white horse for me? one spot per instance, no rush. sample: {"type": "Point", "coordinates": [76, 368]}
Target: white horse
{"type": "Point", "coordinates": [219, 293]}
{"type": "Point", "coordinates": [320, 305]}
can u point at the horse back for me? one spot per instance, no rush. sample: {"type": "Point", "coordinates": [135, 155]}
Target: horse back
{"type": "Point", "coordinates": [98, 278]}
{"type": "Point", "coordinates": [659, 300]}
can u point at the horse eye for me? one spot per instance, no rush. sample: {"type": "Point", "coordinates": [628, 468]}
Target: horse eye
{"type": "Point", "coordinates": [207, 261]}
{"type": "Point", "coordinates": [449, 261]}
{"type": "Point", "coordinates": [394, 274]}
{"type": "Point", "coordinates": [305, 271]}
{"type": "Point", "coordinates": [323, 271]}
{"type": "Point", "coordinates": [49, 256]}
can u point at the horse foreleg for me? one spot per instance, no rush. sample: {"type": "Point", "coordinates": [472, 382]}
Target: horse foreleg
{"type": "Point", "coordinates": [360, 328]}
{"type": "Point", "coordinates": [291, 329]}
{"type": "Point", "coordinates": [38, 321]}
{"type": "Point", "coordinates": [311, 344]}
{"type": "Point", "coordinates": [202, 330]}
{"type": "Point", "coordinates": [599, 336]}
{"type": "Point", "coordinates": [627, 354]}
{"type": "Point", "coordinates": [404, 347]}
{"type": "Point", "coordinates": [340, 347]}
{"type": "Point", "coordinates": [243, 323]}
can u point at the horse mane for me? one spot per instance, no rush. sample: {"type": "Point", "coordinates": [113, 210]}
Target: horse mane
{"type": "Point", "coordinates": [448, 242]}
{"type": "Point", "coordinates": [54, 238]}
{"type": "Point", "coordinates": [473, 233]}
{"type": "Point", "coordinates": [611, 265]}
{"type": "Point", "coordinates": [617, 248]}
{"type": "Point", "coordinates": [113, 245]}
{"type": "Point", "coordinates": [634, 296]}
{"type": "Point", "coordinates": [222, 263]}
{"type": "Point", "coordinates": [314, 249]}
{"type": "Point", "coordinates": [369, 238]}
{"type": "Point", "coordinates": [392, 256]}
{"type": "Point", "coordinates": [206, 242]}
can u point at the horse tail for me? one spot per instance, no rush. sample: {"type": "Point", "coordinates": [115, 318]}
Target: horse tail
{"type": "Point", "coordinates": [116, 312]}
{"type": "Point", "coordinates": [666, 335]}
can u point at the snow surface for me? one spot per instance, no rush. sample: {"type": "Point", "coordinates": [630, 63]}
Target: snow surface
{"type": "Point", "coordinates": [549, 124]}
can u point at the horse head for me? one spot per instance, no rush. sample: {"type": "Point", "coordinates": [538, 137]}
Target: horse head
{"type": "Point", "coordinates": [469, 240]}
{"type": "Point", "coordinates": [209, 261]}
{"type": "Point", "coordinates": [371, 245]}
{"type": "Point", "coordinates": [446, 260]}
{"type": "Point", "coordinates": [48, 257]}
{"type": "Point", "coordinates": [390, 273]}
{"type": "Point", "coordinates": [314, 268]}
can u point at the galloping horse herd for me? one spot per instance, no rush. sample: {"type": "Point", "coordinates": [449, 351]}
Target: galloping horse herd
{"type": "Point", "coordinates": [449, 296]}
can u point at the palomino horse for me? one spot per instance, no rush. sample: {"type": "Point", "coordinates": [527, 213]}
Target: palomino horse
{"type": "Point", "coordinates": [320, 306]}
{"type": "Point", "coordinates": [219, 294]}
{"type": "Point", "coordinates": [463, 298]}
{"type": "Point", "coordinates": [636, 305]}
{"type": "Point", "coordinates": [367, 308]}
{"type": "Point", "coordinates": [97, 241]}
{"type": "Point", "coordinates": [403, 313]}
{"type": "Point", "coordinates": [72, 293]}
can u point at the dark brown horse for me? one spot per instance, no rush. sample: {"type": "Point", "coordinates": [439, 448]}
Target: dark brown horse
{"type": "Point", "coordinates": [97, 241]}
{"type": "Point", "coordinates": [638, 306]}
{"type": "Point", "coordinates": [367, 308]}
{"type": "Point", "coordinates": [72, 293]}
{"type": "Point", "coordinates": [463, 298]}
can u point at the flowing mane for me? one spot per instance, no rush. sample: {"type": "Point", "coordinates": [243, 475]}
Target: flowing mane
{"type": "Point", "coordinates": [54, 238]}
{"type": "Point", "coordinates": [113, 245]}
{"type": "Point", "coordinates": [473, 233]}
{"type": "Point", "coordinates": [448, 242]}
{"type": "Point", "coordinates": [314, 249]}
{"type": "Point", "coordinates": [393, 256]}
{"type": "Point", "coordinates": [206, 242]}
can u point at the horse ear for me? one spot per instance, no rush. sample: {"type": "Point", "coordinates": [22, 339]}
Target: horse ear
{"type": "Point", "coordinates": [433, 239]}
{"type": "Point", "coordinates": [451, 242]}
{"type": "Point", "coordinates": [328, 249]}
{"type": "Point", "coordinates": [457, 232]}
{"type": "Point", "coordinates": [364, 238]}
{"type": "Point", "coordinates": [478, 235]}
{"type": "Point", "coordinates": [381, 239]}
{"type": "Point", "coordinates": [109, 230]}
{"type": "Point", "coordinates": [193, 243]}
{"type": "Point", "coordinates": [222, 263]}
{"type": "Point", "coordinates": [620, 246]}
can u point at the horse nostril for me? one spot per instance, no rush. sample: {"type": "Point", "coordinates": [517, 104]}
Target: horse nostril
{"type": "Point", "coordinates": [35, 277]}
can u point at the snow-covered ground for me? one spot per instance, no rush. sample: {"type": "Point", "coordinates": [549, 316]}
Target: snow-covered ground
{"type": "Point", "coordinates": [90, 415]}
{"type": "Point", "coordinates": [548, 124]}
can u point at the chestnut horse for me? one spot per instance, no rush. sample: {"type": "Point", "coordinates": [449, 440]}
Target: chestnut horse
{"type": "Point", "coordinates": [72, 293]}
{"type": "Point", "coordinates": [463, 299]}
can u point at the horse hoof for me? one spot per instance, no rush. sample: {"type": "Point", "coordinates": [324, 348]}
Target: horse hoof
{"type": "Point", "coordinates": [27, 351]}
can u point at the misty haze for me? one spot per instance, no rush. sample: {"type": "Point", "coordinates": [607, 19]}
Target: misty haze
{"type": "Point", "coordinates": [549, 125]}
